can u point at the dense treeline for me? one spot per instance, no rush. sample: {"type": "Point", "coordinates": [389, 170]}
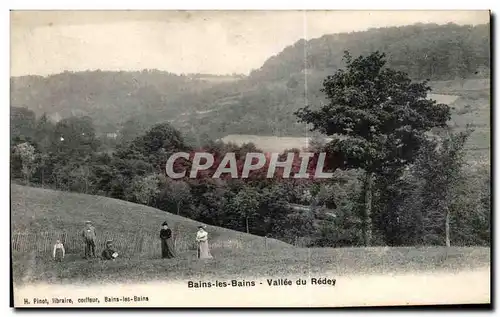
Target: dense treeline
{"type": "Point", "coordinates": [420, 190]}
{"type": "Point", "coordinates": [67, 156]}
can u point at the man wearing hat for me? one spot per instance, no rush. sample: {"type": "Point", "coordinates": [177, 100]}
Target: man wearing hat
{"type": "Point", "coordinates": [89, 236]}
{"type": "Point", "coordinates": [109, 253]}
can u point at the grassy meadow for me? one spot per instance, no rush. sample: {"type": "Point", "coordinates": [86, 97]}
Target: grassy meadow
{"type": "Point", "coordinates": [473, 107]}
{"type": "Point", "coordinates": [41, 212]}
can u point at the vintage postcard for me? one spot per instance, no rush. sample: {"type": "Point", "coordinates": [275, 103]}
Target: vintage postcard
{"type": "Point", "coordinates": [250, 158]}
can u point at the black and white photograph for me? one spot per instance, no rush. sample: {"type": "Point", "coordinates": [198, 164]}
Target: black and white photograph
{"type": "Point", "coordinates": [258, 158]}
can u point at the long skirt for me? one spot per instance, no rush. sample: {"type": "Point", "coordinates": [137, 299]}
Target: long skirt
{"type": "Point", "coordinates": [203, 250]}
{"type": "Point", "coordinates": [167, 249]}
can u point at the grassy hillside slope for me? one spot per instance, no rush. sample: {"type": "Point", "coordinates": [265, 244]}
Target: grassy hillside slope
{"type": "Point", "coordinates": [50, 214]}
{"type": "Point", "coordinates": [41, 210]}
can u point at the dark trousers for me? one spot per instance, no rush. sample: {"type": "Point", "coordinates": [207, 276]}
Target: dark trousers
{"type": "Point", "coordinates": [58, 257]}
{"type": "Point", "coordinates": [89, 249]}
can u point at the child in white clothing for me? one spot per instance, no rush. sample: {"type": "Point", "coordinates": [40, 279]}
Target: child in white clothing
{"type": "Point", "coordinates": [59, 251]}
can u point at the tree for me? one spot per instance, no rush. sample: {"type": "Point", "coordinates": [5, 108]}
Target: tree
{"type": "Point", "coordinates": [485, 201]}
{"type": "Point", "coordinates": [246, 204]}
{"type": "Point", "coordinates": [74, 139]}
{"type": "Point", "coordinates": [144, 189]}
{"type": "Point", "coordinates": [440, 168]}
{"type": "Point", "coordinates": [44, 166]}
{"type": "Point", "coordinates": [397, 209]}
{"type": "Point", "coordinates": [26, 153]}
{"type": "Point", "coordinates": [470, 218]}
{"type": "Point", "coordinates": [156, 145]}
{"type": "Point", "coordinates": [44, 130]}
{"type": "Point", "coordinates": [378, 119]}
{"type": "Point", "coordinates": [316, 143]}
{"type": "Point", "coordinates": [176, 191]}
{"type": "Point", "coordinates": [22, 124]}
{"type": "Point", "coordinates": [131, 129]}
{"type": "Point", "coordinates": [81, 179]}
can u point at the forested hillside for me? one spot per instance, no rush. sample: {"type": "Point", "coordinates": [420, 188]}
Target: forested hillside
{"type": "Point", "coordinates": [293, 78]}
{"type": "Point", "coordinates": [424, 51]}
{"type": "Point", "coordinates": [207, 107]}
{"type": "Point", "coordinates": [112, 98]}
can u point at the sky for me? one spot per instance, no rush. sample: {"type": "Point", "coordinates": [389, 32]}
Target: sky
{"type": "Point", "coordinates": [215, 42]}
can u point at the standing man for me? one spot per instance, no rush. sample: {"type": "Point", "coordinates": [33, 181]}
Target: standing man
{"type": "Point", "coordinates": [89, 236]}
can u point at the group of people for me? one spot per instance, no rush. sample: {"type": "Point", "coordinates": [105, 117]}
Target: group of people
{"type": "Point", "coordinates": [89, 237]}
{"type": "Point", "coordinates": [167, 248]}
{"type": "Point", "coordinates": [109, 253]}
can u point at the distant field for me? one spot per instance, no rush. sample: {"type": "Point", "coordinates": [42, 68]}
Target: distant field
{"type": "Point", "coordinates": [446, 99]}
{"type": "Point", "coordinates": [269, 143]}
{"type": "Point", "coordinates": [40, 210]}
{"type": "Point", "coordinates": [473, 107]}
{"type": "Point", "coordinates": [460, 87]}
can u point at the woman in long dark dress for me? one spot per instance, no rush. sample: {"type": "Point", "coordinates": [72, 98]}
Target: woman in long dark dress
{"type": "Point", "coordinates": [167, 249]}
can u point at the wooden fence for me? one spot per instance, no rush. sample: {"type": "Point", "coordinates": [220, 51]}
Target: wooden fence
{"type": "Point", "coordinates": [128, 244]}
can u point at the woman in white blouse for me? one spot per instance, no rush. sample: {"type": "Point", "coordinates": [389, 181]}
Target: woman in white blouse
{"type": "Point", "coordinates": [202, 239]}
